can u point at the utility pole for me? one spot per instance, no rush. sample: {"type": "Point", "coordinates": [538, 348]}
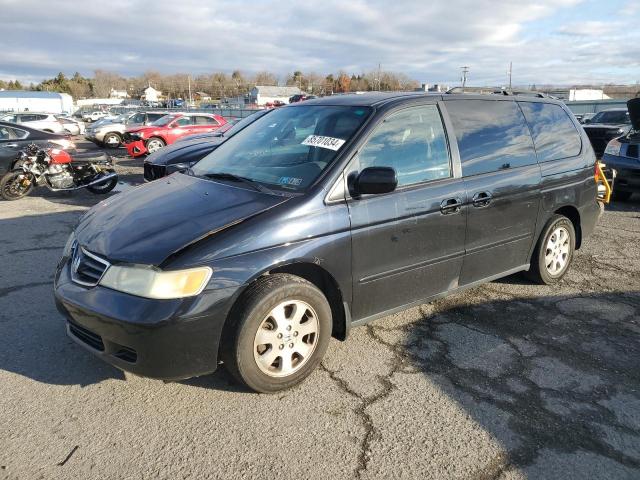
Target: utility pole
{"type": "Point", "coordinates": [189, 81]}
{"type": "Point", "coordinates": [510, 72]}
{"type": "Point", "coordinates": [465, 71]}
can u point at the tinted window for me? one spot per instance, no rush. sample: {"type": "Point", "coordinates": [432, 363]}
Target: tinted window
{"type": "Point", "coordinates": [413, 143]}
{"type": "Point", "coordinates": [9, 133]}
{"type": "Point", "coordinates": [182, 122]}
{"type": "Point", "coordinates": [554, 134]}
{"type": "Point", "coordinates": [137, 118]}
{"type": "Point", "coordinates": [491, 134]}
{"type": "Point", "coordinates": [614, 117]}
{"type": "Point", "coordinates": [152, 117]}
{"type": "Point", "coordinates": [202, 120]}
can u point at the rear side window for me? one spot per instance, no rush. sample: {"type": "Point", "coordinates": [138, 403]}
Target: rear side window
{"type": "Point", "coordinates": [203, 120]}
{"type": "Point", "coordinates": [182, 122]}
{"type": "Point", "coordinates": [492, 135]}
{"type": "Point", "coordinates": [554, 134]}
{"type": "Point", "coordinates": [412, 142]}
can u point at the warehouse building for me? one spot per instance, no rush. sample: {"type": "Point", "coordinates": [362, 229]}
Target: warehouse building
{"type": "Point", "coordinates": [25, 100]}
{"type": "Point", "coordinates": [263, 94]}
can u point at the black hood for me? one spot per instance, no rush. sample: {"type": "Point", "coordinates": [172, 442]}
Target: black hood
{"type": "Point", "coordinates": [149, 223]}
{"type": "Point", "coordinates": [633, 106]}
{"type": "Point", "coordinates": [173, 153]}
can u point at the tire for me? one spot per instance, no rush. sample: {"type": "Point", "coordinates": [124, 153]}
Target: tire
{"type": "Point", "coordinates": [543, 272]}
{"type": "Point", "coordinates": [112, 140]}
{"type": "Point", "coordinates": [254, 316]}
{"type": "Point", "coordinates": [103, 188]}
{"type": "Point", "coordinates": [10, 191]}
{"type": "Point", "coordinates": [621, 196]}
{"type": "Point", "coordinates": [154, 144]}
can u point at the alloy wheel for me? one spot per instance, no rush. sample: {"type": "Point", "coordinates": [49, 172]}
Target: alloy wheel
{"type": "Point", "coordinates": [556, 255]}
{"type": "Point", "coordinates": [286, 338]}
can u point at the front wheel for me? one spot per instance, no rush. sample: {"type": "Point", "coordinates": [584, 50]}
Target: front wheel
{"type": "Point", "coordinates": [112, 140]}
{"type": "Point", "coordinates": [154, 144]}
{"type": "Point", "coordinates": [16, 184]}
{"type": "Point", "coordinates": [104, 187]}
{"type": "Point", "coordinates": [277, 333]}
{"type": "Point", "coordinates": [554, 251]}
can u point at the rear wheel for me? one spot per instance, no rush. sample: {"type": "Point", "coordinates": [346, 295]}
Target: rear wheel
{"type": "Point", "coordinates": [554, 251]}
{"type": "Point", "coordinates": [154, 144]}
{"type": "Point", "coordinates": [104, 187]}
{"type": "Point", "coordinates": [112, 140]}
{"type": "Point", "coordinates": [16, 184]}
{"type": "Point", "coordinates": [278, 333]}
{"type": "Point", "coordinates": [621, 196]}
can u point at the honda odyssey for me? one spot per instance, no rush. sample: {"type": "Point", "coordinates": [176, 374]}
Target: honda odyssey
{"type": "Point", "coordinates": [321, 216]}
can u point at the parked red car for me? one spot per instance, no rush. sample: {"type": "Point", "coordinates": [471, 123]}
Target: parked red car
{"type": "Point", "coordinates": [140, 140]}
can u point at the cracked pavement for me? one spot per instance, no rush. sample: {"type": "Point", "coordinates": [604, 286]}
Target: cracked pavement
{"type": "Point", "coordinates": [507, 381]}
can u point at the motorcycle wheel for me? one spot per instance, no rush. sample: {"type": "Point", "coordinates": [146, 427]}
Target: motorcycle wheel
{"type": "Point", "coordinates": [104, 187]}
{"type": "Point", "coordinates": [12, 185]}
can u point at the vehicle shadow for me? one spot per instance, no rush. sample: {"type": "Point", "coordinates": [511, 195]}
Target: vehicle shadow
{"type": "Point", "coordinates": [544, 376]}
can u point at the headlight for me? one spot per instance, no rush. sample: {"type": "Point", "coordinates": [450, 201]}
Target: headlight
{"type": "Point", "coordinates": [68, 247]}
{"type": "Point", "coordinates": [613, 148]}
{"type": "Point", "coordinates": [64, 143]}
{"type": "Point", "coordinates": [177, 167]}
{"type": "Point", "coordinates": [153, 283]}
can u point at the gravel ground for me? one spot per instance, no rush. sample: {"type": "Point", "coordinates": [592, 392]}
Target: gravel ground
{"type": "Point", "coordinates": [507, 381]}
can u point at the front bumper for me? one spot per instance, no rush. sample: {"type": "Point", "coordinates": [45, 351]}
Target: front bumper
{"type": "Point", "coordinates": [628, 172]}
{"type": "Point", "coordinates": [166, 339]}
{"type": "Point", "coordinates": [136, 148]}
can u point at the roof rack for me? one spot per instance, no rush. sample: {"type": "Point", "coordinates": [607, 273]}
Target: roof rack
{"type": "Point", "coordinates": [502, 91]}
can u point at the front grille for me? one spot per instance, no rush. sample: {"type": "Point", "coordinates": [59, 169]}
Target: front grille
{"type": "Point", "coordinates": [153, 172]}
{"type": "Point", "coordinates": [600, 137]}
{"type": "Point", "coordinates": [86, 268]}
{"type": "Point", "coordinates": [87, 336]}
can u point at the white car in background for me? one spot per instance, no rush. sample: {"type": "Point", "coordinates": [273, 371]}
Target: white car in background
{"type": "Point", "coordinates": [71, 125]}
{"type": "Point", "coordinates": [46, 122]}
{"type": "Point", "coordinates": [94, 115]}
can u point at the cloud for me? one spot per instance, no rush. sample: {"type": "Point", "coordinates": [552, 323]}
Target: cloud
{"type": "Point", "coordinates": [427, 40]}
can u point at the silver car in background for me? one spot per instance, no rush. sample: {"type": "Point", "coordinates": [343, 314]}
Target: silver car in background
{"type": "Point", "coordinates": [71, 125]}
{"type": "Point", "coordinates": [46, 122]}
{"type": "Point", "coordinates": [110, 133]}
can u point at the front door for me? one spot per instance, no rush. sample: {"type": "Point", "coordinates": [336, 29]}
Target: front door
{"type": "Point", "coordinates": [408, 244]}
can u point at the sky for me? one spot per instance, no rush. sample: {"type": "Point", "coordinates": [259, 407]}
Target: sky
{"type": "Point", "coordinates": [549, 41]}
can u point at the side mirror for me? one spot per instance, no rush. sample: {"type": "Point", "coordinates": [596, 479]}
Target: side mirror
{"type": "Point", "coordinates": [586, 120]}
{"type": "Point", "coordinates": [375, 180]}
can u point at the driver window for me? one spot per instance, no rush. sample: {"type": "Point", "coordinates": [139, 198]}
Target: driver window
{"type": "Point", "coordinates": [413, 143]}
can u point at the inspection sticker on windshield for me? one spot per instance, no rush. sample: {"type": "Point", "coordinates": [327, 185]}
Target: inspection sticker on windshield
{"type": "Point", "coordinates": [323, 142]}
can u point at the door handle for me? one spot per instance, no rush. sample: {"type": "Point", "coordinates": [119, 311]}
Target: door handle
{"type": "Point", "coordinates": [450, 205]}
{"type": "Point", "coordinates": [481, 199]}
{"type": "Point", "coordinates": [11, 145]}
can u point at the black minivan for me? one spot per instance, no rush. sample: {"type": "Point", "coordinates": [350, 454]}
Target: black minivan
{"type": "Point", "coordinates": [321, 216]}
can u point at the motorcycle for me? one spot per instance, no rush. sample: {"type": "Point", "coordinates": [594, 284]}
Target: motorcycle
{"type": "Point", "coordinates": [58, 171]}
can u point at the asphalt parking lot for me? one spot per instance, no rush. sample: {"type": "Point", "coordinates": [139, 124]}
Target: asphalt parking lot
{"type": "Point", "coordinates": [507, 381]}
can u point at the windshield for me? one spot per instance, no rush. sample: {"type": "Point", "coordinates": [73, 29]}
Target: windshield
{"type": "Point", "coordinates": [162, 121]}
{"type": "Point", "coordinates": [288, 148]}
{"type": "Point", "coordinates": [229, 129]}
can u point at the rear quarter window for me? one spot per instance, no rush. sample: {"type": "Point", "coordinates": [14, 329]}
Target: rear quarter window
{"type": "Point", "coordinates": [554, 134]}
{"type": "Point", "coordinates": [492, 135]}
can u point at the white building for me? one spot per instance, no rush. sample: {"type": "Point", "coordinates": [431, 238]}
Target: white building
{"type": "Point", "coordinates": [151, 94]}
{"type": "Point", "coordinates": [26, 100]}
{"type": "Point", "coordinates": [587, 94]}
{"type": "Point", "coordinates": [263, 94]}
{"type": "Point", "coordinates": [118, 93]}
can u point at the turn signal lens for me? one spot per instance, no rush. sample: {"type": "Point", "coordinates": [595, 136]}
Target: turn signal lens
{"type": "Point", "coordinates": [152, 283]}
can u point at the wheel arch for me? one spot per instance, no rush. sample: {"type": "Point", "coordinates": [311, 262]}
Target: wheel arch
{"type": "Point", "coordinates": [572, 214]}
{"type": "Point", "coordinates": [319, 277]}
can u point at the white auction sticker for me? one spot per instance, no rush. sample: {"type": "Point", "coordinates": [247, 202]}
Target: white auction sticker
{"type": "Point", "coordinates": [323, 142]}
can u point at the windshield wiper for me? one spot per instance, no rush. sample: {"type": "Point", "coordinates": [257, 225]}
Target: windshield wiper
{"type": "Point", "coordinates": [237, 178]}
